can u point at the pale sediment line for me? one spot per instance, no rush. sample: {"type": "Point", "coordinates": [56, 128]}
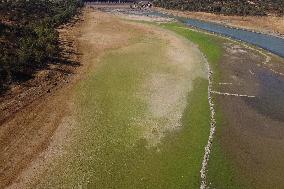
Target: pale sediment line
{"type": "Point", "coordinates": [225, 83]}
{"type": "Point", "coordinates": [267, 57]}
{"type": "Point", "coordinates": [276, 72]}
{"type": "Point", "coordinates": [203, 171]}
{"type": "Point", "coordinates": [232, 94]}
{"type": "Point", "coordinates": [251, 72]}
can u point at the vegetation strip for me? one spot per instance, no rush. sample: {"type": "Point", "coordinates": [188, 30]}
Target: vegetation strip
{"type": "Point", "coordinates": [212, 51]}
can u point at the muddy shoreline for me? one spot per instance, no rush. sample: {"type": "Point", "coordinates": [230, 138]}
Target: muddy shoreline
{"type": "Point", "coordinates": [252, 131]}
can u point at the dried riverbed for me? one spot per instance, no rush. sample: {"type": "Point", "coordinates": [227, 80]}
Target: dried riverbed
{"type": "Point", "coordinates": [136, 121]}
{"type": "Point", "coordinates": [140, 114]}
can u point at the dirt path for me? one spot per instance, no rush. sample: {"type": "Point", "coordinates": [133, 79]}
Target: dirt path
{"type": "Point", "coordinates": [54, 137]}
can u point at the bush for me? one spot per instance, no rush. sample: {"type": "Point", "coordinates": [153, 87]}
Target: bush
{"type": "Point", "coordinates": [28, 35]}
{"type": "Point", "coordinates": [228, 7]}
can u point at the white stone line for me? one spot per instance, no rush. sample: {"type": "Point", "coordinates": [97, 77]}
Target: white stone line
{"type": "Point", "coordinates": [207, 149]}
{"type": "Point", "coordinates": [225, 83]}
{"type": "Point", "coordinates": [251, 72]}
{"type": "Point", "coordinates": [276, 72]}
{"type": "Point", "coordinates": [232, 94]}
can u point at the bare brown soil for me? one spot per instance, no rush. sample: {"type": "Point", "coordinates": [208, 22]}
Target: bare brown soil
{"type": "Point", "coordinates": [32, 111]}
{"type": "Point", "coordinates": [252, 131]}
{"type": "Point", "coordinates": [264, 24]}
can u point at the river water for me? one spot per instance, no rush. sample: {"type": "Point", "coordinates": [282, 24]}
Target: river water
{"type": "Point", "coordinates": [268, 42]}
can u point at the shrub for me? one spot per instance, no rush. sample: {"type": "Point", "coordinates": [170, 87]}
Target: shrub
{"type": "Point", "coordinates": [228, 7]}
{"type": "Point", "coordinates": [28, 35]}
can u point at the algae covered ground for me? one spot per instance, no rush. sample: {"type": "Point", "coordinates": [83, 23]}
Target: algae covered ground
{"type": "Point", "coordinates": [142, 117]}
{"type": "Point", "coordinates": [141, 127]}
{"type": "Point", "coordinates": [221, 172]}
{"type": "Point", "coordinates": [142, 114]}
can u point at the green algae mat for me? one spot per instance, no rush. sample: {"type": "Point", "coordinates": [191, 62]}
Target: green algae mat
{"type": "Point", "coordinates": [143, 118]}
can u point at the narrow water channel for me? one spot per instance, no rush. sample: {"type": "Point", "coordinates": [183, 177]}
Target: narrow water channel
{"type": "Point", "coordinates": [268, 42]}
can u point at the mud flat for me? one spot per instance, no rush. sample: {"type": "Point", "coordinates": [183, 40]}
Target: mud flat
{"type": "Point", "coordinates": [251, 129]}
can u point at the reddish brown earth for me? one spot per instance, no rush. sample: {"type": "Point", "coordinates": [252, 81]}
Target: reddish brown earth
{"type": "Point", "coordinates": [31, 111]}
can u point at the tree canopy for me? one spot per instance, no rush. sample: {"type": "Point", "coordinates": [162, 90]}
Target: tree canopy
{"type": "Point", "coordinates": [228, 7]}
{"type": "Point", "coordinates": [28, 36]}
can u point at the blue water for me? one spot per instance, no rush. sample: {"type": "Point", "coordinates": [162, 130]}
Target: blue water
{"type": "Point", "coordinates": [267, 42]}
